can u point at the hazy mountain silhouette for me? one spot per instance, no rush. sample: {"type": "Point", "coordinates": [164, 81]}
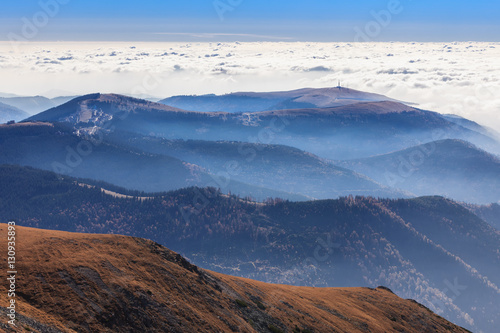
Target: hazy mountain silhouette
{"type": "Point", "coordinates": [452, 168]}
{"type": "Point", "coordinates": [273, 166]}
{"type": "Point", "coordinates": [54, 147]}
{"type": "Point", "coordinates": [8, 113]}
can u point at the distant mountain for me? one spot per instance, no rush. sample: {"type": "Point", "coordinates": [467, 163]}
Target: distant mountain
{"type": "Point", "coordinates": [452, 168]}
{"type": "Point", "coordinates": [54, 147]}
{"type": "Point", "coordinates": [8, 113]}
{"type": "Point", "coordinates": [2, 95]}
{"type": "Point", "coordinates": [272, 166]}
{"type": "Point", "coordinates": [61, 100]}
{"type": "Point", "coordinates": [343, 132]}
{"type": "Point", "coordinates": [278, 100]}
{"type": "Point", "coordinates": [110, 283]}
{"type": "Point", "coordinates": [429, 249]}
{"type": "Point", "coordinates": [34, 104]}
{"type": "Point", "coordinates": [470, 125]}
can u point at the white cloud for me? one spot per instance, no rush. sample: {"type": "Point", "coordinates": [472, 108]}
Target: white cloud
{"type": "Point", "coordinates": [460, 78]}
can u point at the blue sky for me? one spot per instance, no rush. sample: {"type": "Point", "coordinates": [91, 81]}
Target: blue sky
{"type": "Point", "coordinates": [313, 20]}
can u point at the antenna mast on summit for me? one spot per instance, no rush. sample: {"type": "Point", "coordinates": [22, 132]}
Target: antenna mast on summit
{"type": "Point", "coordinates": [339, 85]}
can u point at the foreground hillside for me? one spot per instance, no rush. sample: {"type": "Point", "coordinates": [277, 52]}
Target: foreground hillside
{"type": "Point", "coordinates": [106, 283]}
{"type": "Point", "coordinates": [429, 249]}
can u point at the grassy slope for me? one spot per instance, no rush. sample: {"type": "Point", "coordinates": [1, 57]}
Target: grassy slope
{"type": "Point", "coordinates": [110, 283]}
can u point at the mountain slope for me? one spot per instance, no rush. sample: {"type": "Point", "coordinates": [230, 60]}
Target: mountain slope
{"type": "Point", "coordinates": [8, 113]}
{"type": "Point", "coordinates": [429, 249]}
{"type": "Point", "coordinates": [54, 147]}
{"type": "Point", "coordinates": [108, 283]}
{"type": "Point", "coordinates": [343, 132]}
{"type": "Point", "coordinates": [278, 100]}
{"type": "Point", "coordinates": [451, 168]}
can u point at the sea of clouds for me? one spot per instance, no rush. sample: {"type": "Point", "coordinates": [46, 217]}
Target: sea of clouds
{"type": "Point", "coordinates": [460, 78]}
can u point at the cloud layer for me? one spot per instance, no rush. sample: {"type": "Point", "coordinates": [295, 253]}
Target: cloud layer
{"type": "Point", "coordinates": [458, 78]}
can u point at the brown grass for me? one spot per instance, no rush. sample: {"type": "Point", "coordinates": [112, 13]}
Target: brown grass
{"type": "Point", "coordinates": [108, 283]}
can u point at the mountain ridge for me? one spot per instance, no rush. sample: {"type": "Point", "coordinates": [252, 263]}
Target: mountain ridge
{"type": "Point", "coordinates": [84, 108]}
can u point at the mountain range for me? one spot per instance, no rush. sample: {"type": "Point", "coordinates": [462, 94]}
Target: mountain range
{"type": "Point", "coordinates": [314, 187]}
{"type": "Point", "coordinates": [110, 283]}
{"type": "Point", "coordinates": [315, 153]}
{"type": "Point", "coordinates": [344, 132]}
{"type": "Point", "coordinates": [429, 249]}
{"type": "Point", "coordinates": [278, 167]}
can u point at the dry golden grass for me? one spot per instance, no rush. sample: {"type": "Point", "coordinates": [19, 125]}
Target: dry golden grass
{"type": "Point", "coordinates": [107, 283]}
